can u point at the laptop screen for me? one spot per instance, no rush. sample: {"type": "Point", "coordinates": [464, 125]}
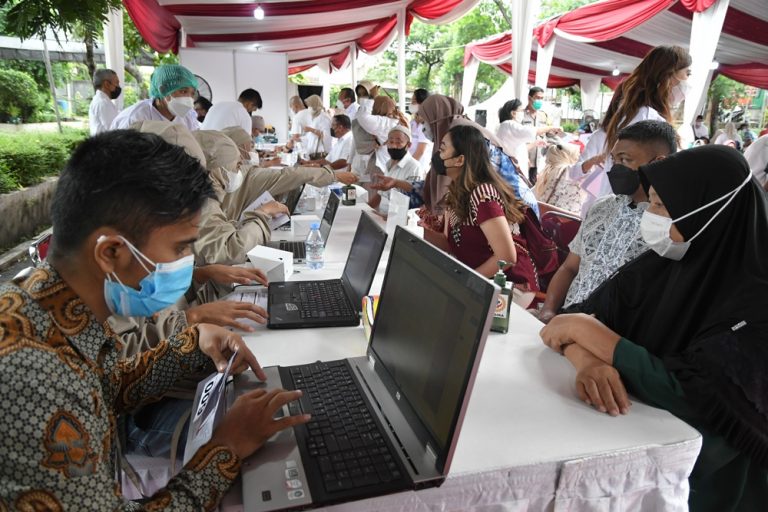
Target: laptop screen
{"type": "Point", "coordinates": [429, 324]}
{"type": "Point", "coordinates": [363, 259]}
{"type": "Point", "coordinates": [328, 215]}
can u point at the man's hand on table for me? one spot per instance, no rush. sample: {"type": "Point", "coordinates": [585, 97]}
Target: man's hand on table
{"type": "Point", "coordinates": [225, 313]}
{"type": "Point", "coordinates": [228, 274]}
{"type": "Point", "coordinates": [250, 422]}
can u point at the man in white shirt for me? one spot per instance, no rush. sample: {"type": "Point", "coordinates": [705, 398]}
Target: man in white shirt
{"type": "Point", "coordinates": [225, 114]}
{"type": "Point", "coordinates": [402, 169]}
{"type": "Point", "coordinates": [301, 119]}
{"type": "Point", "coordinates": [102, 111]}
{"type": "Point", "coordinates": [172, 89]}
{"type": "Point", "coordinates": [700, 130]}
{"type": "Point", "coordinates": [347, 104]}
{"type": "Point", "coordinates": [340, 155]}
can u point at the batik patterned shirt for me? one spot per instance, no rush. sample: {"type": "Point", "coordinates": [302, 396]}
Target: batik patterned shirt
{"type": "Point", "coordinates": [608, 238]}
{"type": "Point", "coordinates": [63, 385]}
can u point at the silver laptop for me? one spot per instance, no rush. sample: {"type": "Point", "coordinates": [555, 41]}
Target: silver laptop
{"type": "Point", "coordinates": [389, 421]}
{"type": "Point", "coordinates": [297, 247]}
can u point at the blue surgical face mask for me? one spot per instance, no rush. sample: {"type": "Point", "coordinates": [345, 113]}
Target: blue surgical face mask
{"type": "Point", "coordinates": [159, 289]}
{"type": "Point", "coordinates": [537, 104]}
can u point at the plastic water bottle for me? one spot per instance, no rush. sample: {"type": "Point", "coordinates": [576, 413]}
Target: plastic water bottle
{"type": "Point", "coordinates": [315, 247]}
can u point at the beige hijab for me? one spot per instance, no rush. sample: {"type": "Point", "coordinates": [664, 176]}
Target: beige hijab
{"type": "Point", "coordinates": [173, 133]}
{"type": "Point", "coordinates": [315, 105]}
{"type": "Point", "coordinates": [243, 140]}
{"type": "Point", "coordinates": [221, 153]}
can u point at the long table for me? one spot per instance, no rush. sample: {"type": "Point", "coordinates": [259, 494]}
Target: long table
{"type": "Point", "coordinates": [528, 442]}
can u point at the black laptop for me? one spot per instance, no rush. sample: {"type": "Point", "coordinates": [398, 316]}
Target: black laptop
{"type": "Point", "coordinates": [390, 421]}
{"type": "Point", "coordinates": [297, 247]}
{"type": "Point", "coordinates": [334, 302]}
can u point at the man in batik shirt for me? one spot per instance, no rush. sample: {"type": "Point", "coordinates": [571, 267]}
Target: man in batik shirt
{"type": "Point", "coordinates": [125, 215]}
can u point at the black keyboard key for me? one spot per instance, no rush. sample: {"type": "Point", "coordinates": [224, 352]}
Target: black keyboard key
{"type": "Point", "coordinates": [366, 479]}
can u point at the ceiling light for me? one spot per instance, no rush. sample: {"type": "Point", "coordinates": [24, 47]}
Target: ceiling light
{"type": "Point", "coordinates": [258, 13]}
{"type": "Point", "coordinates": [714, 65]}
{"type": "Point", "coordinates": [615, 72]}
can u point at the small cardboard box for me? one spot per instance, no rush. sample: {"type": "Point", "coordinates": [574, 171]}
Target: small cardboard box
{"type": "Point", "coordinates": [277, 264]}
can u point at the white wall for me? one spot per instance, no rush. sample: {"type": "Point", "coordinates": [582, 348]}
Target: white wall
{"type": "Point", "coordinates": [231, 71]}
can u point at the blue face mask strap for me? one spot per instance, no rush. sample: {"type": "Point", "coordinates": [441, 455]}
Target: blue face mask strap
{"type": "Point", "coordinates": [136, 253]}
{"type": "Point", "coordinates": [730, 196]}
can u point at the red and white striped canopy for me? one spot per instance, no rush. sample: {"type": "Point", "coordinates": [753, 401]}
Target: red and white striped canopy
{"type": "Point", "coordinates": [595, 39]}
{"type": "Point", "coordinates": [309, 31]}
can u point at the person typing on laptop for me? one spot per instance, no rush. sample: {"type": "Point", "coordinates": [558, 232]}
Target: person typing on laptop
{"type": "Point", "coordinates": [125, 213]}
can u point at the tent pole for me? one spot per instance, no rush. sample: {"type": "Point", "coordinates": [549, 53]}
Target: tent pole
{"type": "Point", "coordinates": [49, 72]}
{"type": "Point", "coordinates": [353, 63]}
{"type": "Point", "coordinates": [113, 48]}
{"type": "Point", "coordinates": [401, 59]}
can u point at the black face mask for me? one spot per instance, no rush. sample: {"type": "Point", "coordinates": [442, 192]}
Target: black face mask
{"type": "Point", "coordinates": [623, 180]}
{"type": "Point", "coordinates": [114, 94]}
{"type": "Point", "coordinates": [437, 164]}
{"type": "Point", "coordinates": [397, 153]}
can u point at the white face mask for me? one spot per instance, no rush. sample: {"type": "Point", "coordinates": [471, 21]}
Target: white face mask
{"type": "Point", "coordinates": [181, 106]}
{"type": "Point", "coordinates": [234, 180]}
{"type": "Point", "coordinates": [679, 92]}
{"type": "Point", "coordinates": [414, 109]}
{"type": "Point", "coordinates": [339, 105]}
{"type": "Point", "coordinates": [655, 229]}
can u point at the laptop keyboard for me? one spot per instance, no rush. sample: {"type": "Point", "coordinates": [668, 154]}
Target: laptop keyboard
{"type": "Point", "coordinates": [323, 299]}
{"type": "Point", "coordinates": [298, 248]}
{"type": "Point", "coordinates": [343, 440]}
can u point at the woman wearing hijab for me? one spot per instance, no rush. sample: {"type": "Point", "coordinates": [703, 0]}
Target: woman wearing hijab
{"type": "Point", "coordinates": [318, 131]}
{"type": "Point", "coordinates": [484, 221]}
{"type": "Point", "coordinates": [694, 309]}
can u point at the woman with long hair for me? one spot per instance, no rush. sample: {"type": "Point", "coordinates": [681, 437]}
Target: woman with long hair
{"type": "Point", "coordinates": [484, 221]}
{"type": "Point", "coordinates": [441, 113]}
{"type": "Point", "coordinates": [651, 91]}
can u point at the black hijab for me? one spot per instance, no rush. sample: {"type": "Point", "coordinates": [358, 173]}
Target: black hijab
{"type": "Point", "coordinates": [706, 315]}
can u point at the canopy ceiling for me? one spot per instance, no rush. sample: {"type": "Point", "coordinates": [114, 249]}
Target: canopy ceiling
{"type": "Point", "coordinates": [596, 39]}
{"type": "Point", "coordinates": [309, 31]}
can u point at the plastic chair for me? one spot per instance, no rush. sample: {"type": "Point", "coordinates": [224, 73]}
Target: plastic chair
{"type": "Point", "coordinates": [38, 250]}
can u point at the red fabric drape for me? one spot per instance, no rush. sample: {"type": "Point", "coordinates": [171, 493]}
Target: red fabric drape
{"type": "Point", "coordinates": [753, 74]}
{"type": "Point", "coordinates": [554, 82]}
{"type": "Point", "coordinates": [270, 8]}
{"type": "Point", "coordinates": [285, 34]}
{"type": "Point", "coordinates": [697, 5]}
{"type": "Point", "coordinates": [490, 50]}
{"type": "Point", "coordinates": [299, 69]}
{"type": "Point", "coordinates": [159, 28]}
{"type": "Point", "coordinates": [603, 20]}
{"type": "Point", "coordinates": [737, 23]}
{"type": "Point", "coordinates": [338, 60]}
{"type": "Point", "coordinates": [378, 35]}
{"type": "Point", "coordinates": [433, 9]}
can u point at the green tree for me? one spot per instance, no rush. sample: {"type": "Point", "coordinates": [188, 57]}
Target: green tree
{"type": "Point", "coordinates": [551, 8]}
{"type": "Point", "coordinates": [723, 95]}
{"type": "Point", "coordinates": [19, 99]}
{"type": "Point", "coordinates": [33, 18]}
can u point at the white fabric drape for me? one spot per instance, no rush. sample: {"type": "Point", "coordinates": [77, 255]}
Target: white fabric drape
{"type": "Point", "coordinates": [705, 34]}
{"type": "Point", "coordinates": [468, 82]}
{"type": "Point", "coordinates": [590, 92]}
{"type": "Point", "coordinates": [524, 14]}
{"type": "Point", "coordinates": [113, 48]}
{"type": "Point", "coordinates": [544, 62]}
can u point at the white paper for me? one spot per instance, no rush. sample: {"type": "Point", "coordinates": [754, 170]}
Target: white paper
{"type": "Point", "coordinates": [209, 409]}
{"type": "Point", "coordinates": [256, 295]}
{"type": "Point", "coordinates": [274, 222]}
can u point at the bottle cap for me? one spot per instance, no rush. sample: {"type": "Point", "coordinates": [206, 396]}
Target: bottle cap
{"type": "Point", "coordinates": [314, 225]}
{"type": "Point", "coordinates": [501, 278]}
